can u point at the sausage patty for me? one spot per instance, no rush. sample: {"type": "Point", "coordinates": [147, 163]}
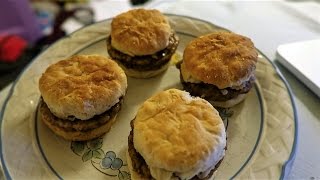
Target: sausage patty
{"type": "Point", "coordinates": [82, 125]}
{"type": "Point", "coordinates": [213, 93]}
{"type": "Point", "coordinates": [147, 62]}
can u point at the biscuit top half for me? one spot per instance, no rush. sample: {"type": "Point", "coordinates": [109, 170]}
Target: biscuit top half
{"type": "Point", "coordinates": [223, 59]}
{"type": "Point", "coordinates": [140, 32]}
{"type": "Point", "coordinates": [177, 133]}
{"type": "Point", "coordinates": [82, 86]}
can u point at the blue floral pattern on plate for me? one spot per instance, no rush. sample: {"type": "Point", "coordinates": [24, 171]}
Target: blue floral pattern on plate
{"type": "Point", "coordinates": [107, 163]}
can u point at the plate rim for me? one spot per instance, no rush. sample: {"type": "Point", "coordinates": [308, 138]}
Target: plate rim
{"type": "Point", "coordinates": [286, 166]}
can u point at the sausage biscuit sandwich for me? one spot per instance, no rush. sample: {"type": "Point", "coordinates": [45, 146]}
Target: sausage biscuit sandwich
{"type": "Point", "coordinates": [81, 96]}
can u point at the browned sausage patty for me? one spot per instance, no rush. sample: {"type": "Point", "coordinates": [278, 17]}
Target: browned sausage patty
{"type": "Point", "coordinates": [213, 93]}
{"type": "Point", "coordinates": [81, 125]}
{"type": "Point", "coordinates": [147, 62]}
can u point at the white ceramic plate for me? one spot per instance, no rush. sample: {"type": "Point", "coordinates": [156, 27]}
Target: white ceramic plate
{"type": "Point", "coordinates": [259, 144]}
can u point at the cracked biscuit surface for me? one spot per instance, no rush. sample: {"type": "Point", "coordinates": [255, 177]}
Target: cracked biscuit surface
{"type": "Point", "coordinates": [140, 32]}
{"type": "Point", "coordinates": [223, 59]}
{"type": "Point", "coordinates": [82, 86]}
{"type": "Point", "coordinates": [179, 135]}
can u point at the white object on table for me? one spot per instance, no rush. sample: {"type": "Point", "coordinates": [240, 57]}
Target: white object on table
{"type": "Point", "coordinates": [302, 59]}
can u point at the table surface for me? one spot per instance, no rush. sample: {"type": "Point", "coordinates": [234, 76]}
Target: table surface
{"type": "Point", "coordinates": [268, 24]}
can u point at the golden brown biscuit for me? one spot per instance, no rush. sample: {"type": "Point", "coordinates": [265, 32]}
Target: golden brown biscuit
{"type": "Point", "coordinates": [142, 42]}
{"type": "Point", "coordinates": [179, 135]}
{"type": "Point", "coordinates": [82, 86]}
{"type": "Point", "coordinates": [223, 59]}
{"type": "Point", "coordinates": [140, 32]}
{"type": "Point", "coordinates": [219, 67]}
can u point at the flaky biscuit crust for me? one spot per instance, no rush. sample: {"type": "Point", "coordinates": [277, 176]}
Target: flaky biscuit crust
{"type": "Point", "coordinates": [140, 32]}
{"type": "Point", "coordinates": [178, 133]}
{"type": "Point", "coordinates": [223, 59]}
{"type": "Point", "coordinates": [82, 86]}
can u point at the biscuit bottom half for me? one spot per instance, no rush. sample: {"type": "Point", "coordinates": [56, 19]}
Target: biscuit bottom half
{"type": "Point", "coordinates": [225, 98]}
{"type": "Point", "coordinates": [79, 130]}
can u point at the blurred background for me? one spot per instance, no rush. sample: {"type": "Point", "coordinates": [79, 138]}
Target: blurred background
{"type": "Point", "coordinates": [27, 27]}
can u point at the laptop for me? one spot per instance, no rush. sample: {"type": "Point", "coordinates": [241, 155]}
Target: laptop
{"type": "Point", "coordinates": [303, 60]}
